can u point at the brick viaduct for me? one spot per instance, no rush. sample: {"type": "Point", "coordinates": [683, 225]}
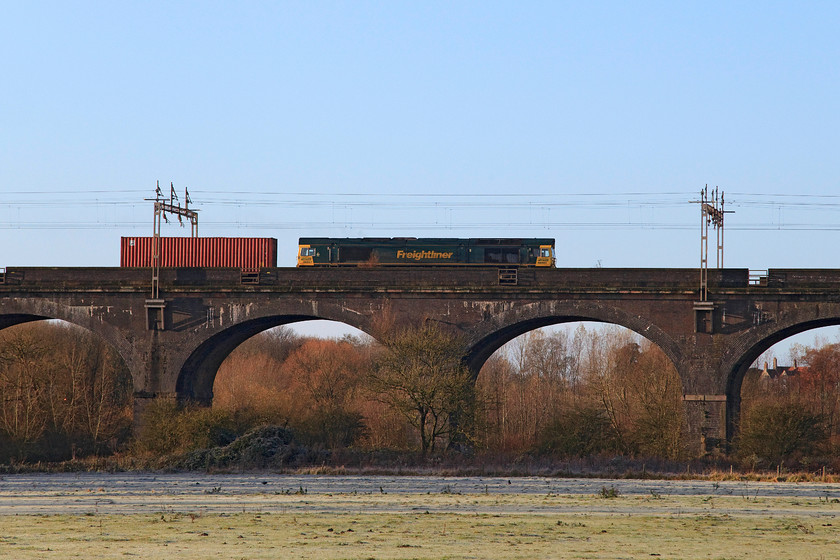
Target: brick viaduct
{"type": "Point", "coordinates": [174, 346]}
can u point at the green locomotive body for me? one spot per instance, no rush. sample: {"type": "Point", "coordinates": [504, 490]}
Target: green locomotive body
{"type": "Point", "coordinates": [411, 251]}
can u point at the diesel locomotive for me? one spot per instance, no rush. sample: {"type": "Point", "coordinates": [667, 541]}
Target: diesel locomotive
{"type": "Point", "coordinates": [412, 251]}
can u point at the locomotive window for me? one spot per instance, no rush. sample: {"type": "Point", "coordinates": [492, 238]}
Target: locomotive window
{"type": "Point", "coordinates": [307, 252]}
{"type": "Point", "coordinates": [501, 256]}
{"type": "Point", "coordinates": [355, 254]}
{"type": "Point", "coordinates": [545, 252]}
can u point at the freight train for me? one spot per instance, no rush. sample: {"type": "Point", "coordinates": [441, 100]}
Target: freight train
{"type": "Point", "coordinates": [255, 253]}
{"type": "Point", "coordinates": [411, 251]}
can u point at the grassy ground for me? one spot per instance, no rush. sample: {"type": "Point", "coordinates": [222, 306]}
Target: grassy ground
{"type": "Point", "coordinates": [445, 526]}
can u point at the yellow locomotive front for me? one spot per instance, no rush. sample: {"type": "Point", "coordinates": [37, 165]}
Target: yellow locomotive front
{"type": "Point", "coordinates": [546, 256]}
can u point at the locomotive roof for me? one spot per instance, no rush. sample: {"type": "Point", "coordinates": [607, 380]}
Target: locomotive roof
{"type": "Point", "coordinates": [428, 240]}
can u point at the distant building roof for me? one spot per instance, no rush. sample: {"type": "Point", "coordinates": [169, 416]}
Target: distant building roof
{"type": "Point", "coordinates": [782, 372]}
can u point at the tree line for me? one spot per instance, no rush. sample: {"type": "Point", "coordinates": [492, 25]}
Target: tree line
{"type": "Point", "coordinates": [566, 393]}
{"type": "Point", "coordinates": [63, 393]}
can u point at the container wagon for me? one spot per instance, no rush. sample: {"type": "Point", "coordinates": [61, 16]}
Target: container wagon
{"type": "Point", "coordinates": [201, 252]}
{"type": "Point", "coordinates": [412, 251]}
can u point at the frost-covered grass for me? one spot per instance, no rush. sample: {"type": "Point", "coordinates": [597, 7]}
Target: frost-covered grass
{"type": "Point", "coordinates": [445, 525]}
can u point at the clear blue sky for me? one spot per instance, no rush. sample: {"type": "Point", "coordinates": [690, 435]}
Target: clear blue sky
{"type": "Point", "coordinates": [592, 122]}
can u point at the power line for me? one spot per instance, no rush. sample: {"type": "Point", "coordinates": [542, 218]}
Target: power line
{"type": "Point", "coordinates": [245, 196]}
{"type": "Point", "coordinates": [430, 201]}
{"type": "Point", "coordinates": [424, 211]}
{"type": "Point", "coordinates": [416, 226]}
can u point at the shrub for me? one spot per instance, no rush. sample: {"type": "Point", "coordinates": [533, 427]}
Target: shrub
{"type": "Point", "coordinates": [168, 428]}
{"type": "Point", "coordinates": [776, 433]}
{"type": "Point", "coordinates": [331, 428]}
{"type": "Point", "coordinates": [607, 493]}
{"type": "Point", "coordinates": [158, 434]}
{"type": "Point", "coordinates": [262, 447]}
{"type": "Point", "coordinates": [578, 432]}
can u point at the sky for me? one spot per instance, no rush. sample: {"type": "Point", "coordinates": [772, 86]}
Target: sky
{"type": "Point", "coordinates": [595, 123]}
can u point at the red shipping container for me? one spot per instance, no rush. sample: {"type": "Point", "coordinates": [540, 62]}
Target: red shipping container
{"type": "Point", "coordinates": [201, 252]}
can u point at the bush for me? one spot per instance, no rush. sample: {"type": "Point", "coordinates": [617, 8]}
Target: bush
{"type": "Point", "coordinates": [263, 447]}
{"type": "Point", "coordinates": [168, 428]}
{"type": "Point", "coordinates": [773, 434]}
{"type": "Point", "coordinates": [331, 428]}
{"type": "Point", "coordinates": [578, 432]}
{"type": "Point", "coordinates": [660, 436]}
{"type": "Point", "coordinates": [608, 493]}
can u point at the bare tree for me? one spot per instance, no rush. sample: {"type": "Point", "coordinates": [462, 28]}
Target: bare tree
{"type": "Point", "coordinates": [22, 414]}
{"type": "Point", "coordinates": [531, 383]}
{"type": "Point", "coordinates": [820, 384]}
{"type": "Point", "coordinates": [328, 370]}
{"type": "Point", "coordinates": [106, 389]}
{"type": "Point", "coordinates": [327, 376]}
{"type": "Point", "coordinates": [639, 391]}
{"type": "Point", "coordinates": [611, 355]}
{"type": "Point", "coordinates": [494, 385]}
{"type": "Point", "coordinates": [419, 373]}
{"type": "Point", "coordinates": [61, 388]}
{"type": "Point", "coordinates": [253, 381]}
{"type": "Point", "coordinates": [658, 417]}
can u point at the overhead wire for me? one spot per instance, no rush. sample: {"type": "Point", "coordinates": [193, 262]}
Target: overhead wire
{"type": "Point", "coordinates": [541, 203]}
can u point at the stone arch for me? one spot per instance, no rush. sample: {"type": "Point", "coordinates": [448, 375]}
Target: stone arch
{"type": "Point", "coordinates": [507, 325]}
{"type": "Point", "coordinates": [20, 314]}
{"type": "Point", "coordinates": [742, 354]}
{"type": "Point", "coordinates": [198, 373]}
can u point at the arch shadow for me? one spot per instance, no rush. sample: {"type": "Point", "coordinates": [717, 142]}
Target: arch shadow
{"type": "Point", "coordinates": [13, 319]}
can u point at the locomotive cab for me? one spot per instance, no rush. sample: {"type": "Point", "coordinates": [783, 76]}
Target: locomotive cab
{"type": "Point", "coordinates": [546, 256]}
{"type": "Point", "coordinates": [306, 255]}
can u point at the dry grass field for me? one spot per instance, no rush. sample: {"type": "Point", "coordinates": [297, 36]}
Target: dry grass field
{"type": "Point", "coordinates": [432, 525]}
{"type": "Point", "coordinates": [420, 535]}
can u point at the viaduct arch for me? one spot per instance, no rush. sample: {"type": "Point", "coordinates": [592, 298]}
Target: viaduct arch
{"type": "Point", "coordinates": [174, 346]}
{"type": "Point", "coordinates": [507, 325]}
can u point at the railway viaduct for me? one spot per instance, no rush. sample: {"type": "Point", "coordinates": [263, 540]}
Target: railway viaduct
{"type": "Point", "coordinates": [174, 345]}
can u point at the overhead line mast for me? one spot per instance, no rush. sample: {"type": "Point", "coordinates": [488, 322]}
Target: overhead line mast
{"type": "Point", "coordinates": [155, 305]}
{"type": "Point", "coordinates": [711, 214]}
